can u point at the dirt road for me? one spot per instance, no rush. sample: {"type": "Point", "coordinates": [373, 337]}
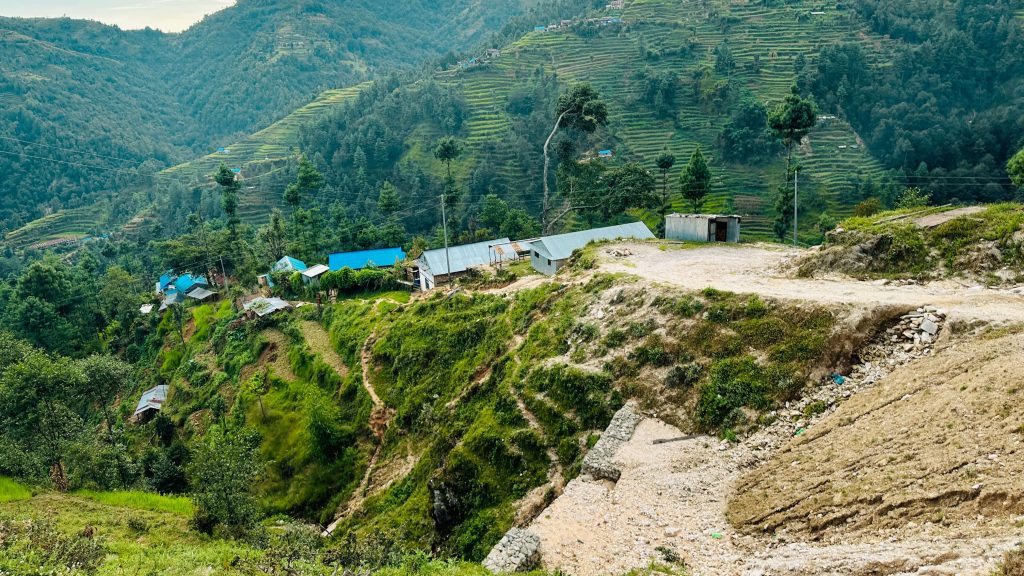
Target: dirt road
{"type": "Point", "coordinates": [759, 269]}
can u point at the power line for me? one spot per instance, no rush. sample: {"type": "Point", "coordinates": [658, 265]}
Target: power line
{"type": "Point", "coordinates": [30, 143]}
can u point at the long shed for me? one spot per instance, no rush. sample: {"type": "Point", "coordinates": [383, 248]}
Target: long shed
{"type": "Point", "coordinates": [702, 227]}
{"type": "Point", "coordinates": [433, 264]}
{"type": "Point", "coordinates": [551, 253]}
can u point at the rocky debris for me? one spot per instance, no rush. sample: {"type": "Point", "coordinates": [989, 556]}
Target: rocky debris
{"type": "Point", "coordinates": [598, 462]}
{"type": "Point", "coordinates": [517, 551]}
{"type": "Point", "coordinates": [619, 252]}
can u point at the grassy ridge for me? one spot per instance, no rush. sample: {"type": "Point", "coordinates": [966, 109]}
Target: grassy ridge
{"type": "Point", "coordinates": [135, 500]}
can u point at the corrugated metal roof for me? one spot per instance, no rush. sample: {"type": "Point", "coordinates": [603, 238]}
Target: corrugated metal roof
{"type": "Point", "coordinates": [364, 258]}
{"type": "Point", "coordinates": [152, 399]}
{"type": "Point", "coordinates": [265, 306]}
{"type": "Point", "coordinates": [289, 264]}
{"type": "Point", "coordinates": [315, 271]}
{"type": "Point", "coordinates": [707, 216]}
{"type": "Point", "coordinates": [562, 246]}
{"type": "Point", "coordinates": [200, 294]}
{"type": "Point", "coordinates": [462, 257]}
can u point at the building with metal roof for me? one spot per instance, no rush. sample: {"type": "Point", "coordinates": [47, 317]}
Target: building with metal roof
{"type": "Point", "coordinates": [151, 402]}
{"type": "Point", "coordinates": [381, 258]}
{"type": "Point", "coordinates": [703, 227]}
{"type": "Point", "coordinates": [288, 264]}
{"type": "Point", "coordinates": [265, 306]}
{"type": "Point", "coordinates": [201, 294]}
{"type": "Point", "coordinates": [433, 264]}
{"type": "Point", "coordinates": [312, 274]}
{"type": "Point", "coordinates": [550, 253]}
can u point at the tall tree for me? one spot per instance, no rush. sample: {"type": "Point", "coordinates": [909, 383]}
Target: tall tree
{"type": "Point", "coordinates": [665, 162]}
{"type": "Point", "coordinates": [579, 108]}
{"type": "Point", "coordinates": [790, 122]}
{"type": "Point", "coordinates": [229, 187]}
{"type": "Point", "coordinates": [695, 181]}
{"type": "Point", "coordinates": [590, 187]}
{"type": "Point", "coordinates": [448, 150]}
{"type": "Point", "coordinates": [1015, 168]}
{"type": "Point", "coordinates": [308, 181]}
{"type": "Point", "coordinates": [388, 202]}
{"type": "Point", "coordinates": [222, 474]}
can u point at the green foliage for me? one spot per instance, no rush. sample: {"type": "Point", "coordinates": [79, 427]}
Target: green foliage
{"type": "Point", "coordinates": [38, 547]}
{"type": "Point", "coordinates": [913, 197]}
{"type": "Point", "coordinates": [222, 474]}
{"type": "Point", "coordinates": [869, 207]}
{"type": "Point", "coordinates": [695, 181]}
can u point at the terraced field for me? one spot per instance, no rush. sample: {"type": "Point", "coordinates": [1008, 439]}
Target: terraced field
{"type": "Point", "coordinates": [685, 35]}
{"type": "Point", "coordinates": [262, 154]}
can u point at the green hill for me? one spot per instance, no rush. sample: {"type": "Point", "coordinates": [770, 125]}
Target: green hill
{"type": "Point", "coordinates": [654, 39]}
{"type": "Point", "coordinates": [86, 108]}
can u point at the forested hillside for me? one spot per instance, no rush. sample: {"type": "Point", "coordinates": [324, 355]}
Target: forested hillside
{"type": "Point", "coordinates": [78, 95]}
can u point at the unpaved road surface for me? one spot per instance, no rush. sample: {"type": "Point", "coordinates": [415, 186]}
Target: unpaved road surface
{"type": "Point", "coordinates": [758, 269]}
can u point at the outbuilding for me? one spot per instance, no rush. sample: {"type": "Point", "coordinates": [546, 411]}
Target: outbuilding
{"type": "Point", "coordinates": [433, 264]}
{"type": "Point", "coordinates": [702, 227]}
{"type": "Point", "coordinates": [551, 253]}
{"type": "Point", "coordinates": [151, 402]}
{"type": "Point", "coordinates": [311, 275]}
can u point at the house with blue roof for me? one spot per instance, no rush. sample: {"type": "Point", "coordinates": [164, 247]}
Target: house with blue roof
{"type": "Point", "coordinates": [288, 264]}
{"type": "Point", "coordinates": [381, 258]}
{"type": "Point", "coordinates": [174, 289]}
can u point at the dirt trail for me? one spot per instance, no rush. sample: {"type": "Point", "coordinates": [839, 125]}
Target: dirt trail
{"type": "Point", "coordinates": [757, 269]}
{"type": "Point", "coordinates": [380, 419]}
{"type": "Point", "coordinates": [319, 341]}
{"type": "Point", "coordinates": [920, 472]}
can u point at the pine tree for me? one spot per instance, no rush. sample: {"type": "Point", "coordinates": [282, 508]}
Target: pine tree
{"type": "Point", "coordinates": [695, 181]}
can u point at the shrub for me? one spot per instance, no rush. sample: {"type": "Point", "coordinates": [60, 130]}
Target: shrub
{"type": "Point", "coordinates": [615, 338]}
{"type": "Point", "coordinates": [684, 376]}
{"type": "Point", "coordinates": [651, 353]}
{"type": "Point", "coordinates": [732, 384]}
{"type": "Point", "coordinates": [868, 207]}
{"type": "Point", "coordinates": [1013, 563]}
{"type": "Point", "coordinates": [38, 547]}
{"type": "Point", "coordinates": [815, 408]}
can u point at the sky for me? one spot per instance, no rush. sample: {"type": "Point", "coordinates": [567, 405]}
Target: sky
{"type": "Point", "coordinates": [166, 15]}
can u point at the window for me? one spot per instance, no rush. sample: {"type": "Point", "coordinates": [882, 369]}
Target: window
{"type": "Point", "coordinates": [549, 261]}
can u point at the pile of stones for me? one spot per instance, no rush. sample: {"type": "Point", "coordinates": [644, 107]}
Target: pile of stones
{"type": "Point", "coordinates": [518, 551]}
{"type": "Point", "coordinates": [598, 461]}
{"type": "Point", "coordinates": [917, 331]}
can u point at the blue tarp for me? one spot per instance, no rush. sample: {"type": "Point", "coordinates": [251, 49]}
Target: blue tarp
{"type": "Point", "coordinates": [364, 258]}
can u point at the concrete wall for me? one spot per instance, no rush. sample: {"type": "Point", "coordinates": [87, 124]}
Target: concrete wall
{"type": "Point", "coordinates": [543, 265]}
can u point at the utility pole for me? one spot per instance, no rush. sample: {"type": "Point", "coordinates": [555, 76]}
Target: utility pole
{"type": "Point", "coordinates": [796, 200]}
{"type": "Point", "coordinates": [447, 258]}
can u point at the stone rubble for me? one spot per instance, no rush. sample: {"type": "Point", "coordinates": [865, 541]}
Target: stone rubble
{"type": "Point", "coordinates": [598, 461]}
{"type": "Point", "coordinates": [518, 551]}
{"type": "Point", "coordinates": [911, 338]}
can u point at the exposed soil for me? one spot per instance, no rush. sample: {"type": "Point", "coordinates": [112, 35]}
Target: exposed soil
{"type": "Point", "coordinates": [912, 469]}
{"type": "Point", "coordinates": [759, 269]}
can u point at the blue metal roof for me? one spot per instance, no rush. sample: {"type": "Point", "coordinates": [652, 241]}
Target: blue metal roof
{"type": "Point", "coordinates": [289, 264]}
{"type": "Point", "coordinates": [165, 280]}
{"type": "Point", "coordinates": [363, 258]}
{"type": "Point", "coordinates": [185, 283]}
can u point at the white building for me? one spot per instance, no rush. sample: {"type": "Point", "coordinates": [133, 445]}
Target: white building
{"type": "Point", "coordinates": [551, 253]}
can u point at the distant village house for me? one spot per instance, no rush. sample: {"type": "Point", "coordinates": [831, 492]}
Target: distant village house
{"type": "Point", "coordinates": [381, 258]}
